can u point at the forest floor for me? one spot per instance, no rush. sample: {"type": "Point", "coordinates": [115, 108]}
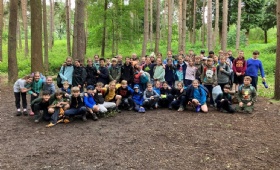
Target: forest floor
{"type": "Point", "coordinates": [158, 139]}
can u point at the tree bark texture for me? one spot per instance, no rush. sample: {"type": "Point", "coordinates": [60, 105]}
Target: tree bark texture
{"type": "Point", "coordinates": [184, 29]}
{"type": "Point", "coordinates": [194, 23]}
{"type": "Point", "coordinates": [238, 26]}
{"type": "Point", "coordinates": [151, 24]}
{"type": "Point", "coordinates": [146, 27]}
{"type": "Point", "coordinates": [225, 25]}
{"type": "Point", "coordinates": [12, 42]}
{"type": "Point", "coordinates": [19, 33]}
{"type": "Point", "coordinates": [80, 26]}
{"type": "Point", "coordinates": [67, 11]}
{"type": "Point", "coordinates": [25, 27]}
{"type": "Point", "coordinates": [51, 38]}
{"type": "Point", "coordinates": [170, 23]}
{"type": "Point", "coordinates": [203, 24]}
{"type": "Point", "coordinates": [45, 27]}
{"type": "Point", "coordinates": [180, 20]}
{"type": "Point", "coordinates": [157, 26]}
{"type": "Point", "coordinates": [277, 68]}
{"type": "Point", "coordinates": [209, 26]}
{"type": "Point", "coordinates": [1, 28]}
{"type": "Point", "coordinates": [36, 36]}
{"type": "Point", "coordinates": [216, 30]}
{"type": "Point", "coordinates": [104, 29]}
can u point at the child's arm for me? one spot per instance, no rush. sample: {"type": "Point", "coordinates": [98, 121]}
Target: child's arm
{"type": "Point", "coordinates": [86, 101]}
{"type": "Point", "coordinates": [262, 70]}
{"type": "Point", "coordinates": [145, 95]}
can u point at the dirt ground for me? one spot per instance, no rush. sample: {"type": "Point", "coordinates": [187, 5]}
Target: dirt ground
{"type": "Point", "coordinates": [158, 139]}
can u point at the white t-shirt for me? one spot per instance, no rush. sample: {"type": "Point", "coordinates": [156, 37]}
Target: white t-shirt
{"type": "Point", "coordinates": [190, 72]}
{"type": "Point", "coordinates": [19, 84]}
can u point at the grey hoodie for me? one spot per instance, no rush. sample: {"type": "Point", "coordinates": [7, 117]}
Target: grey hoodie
{"type": "Point", "coordinates": [223, 76]}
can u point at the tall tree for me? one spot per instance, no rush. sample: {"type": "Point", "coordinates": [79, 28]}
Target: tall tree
{"type": "Point", "coordinates": [51, 36]}
{"type": "Point", "coordinates": [36, 36]}
{"type": "Point", "coordinates": [180, 19]}
{"type": "Point", "coordinates": [184, 29]}
{"type": "Point", "coordinates": [12, 42]}
{"type": "Point", "coordinates": [1, 28]}
{"type": "Point", "coordinates": [80, 27]}
{"type": "Point", "coordinates": [157, 26]}
{"type": "Point", "coordinates": [19, 32]}
{"type": "Point", "coordinates": [170, 23]}
{"type": "Point", "coordinates": [225, 25]}
{"type": "Point", "coordinates": [146, 27]}
{"type": "Point", "coordinates": [151, 24]}
{"type": "Point", "coordinates": [25, 27]}
{"type": "Point", "coordinates": [104, 29]}
{"type": "Point", "coordinates": [216, 30]}
{"type": "Point", "coordinates": [45, 27]}
{"type": "Point", "coordinates": [209, 26]}
{"type": "Point", "coordinates": [203, 24]}
{"type": "Point", "coordinates": [238, 25]}
{"type": "Point", "coordinates": [277, 69]}
{"type": "Point", "coordinates": [194, 23]}
{"type": "Point", "coordinates": [67, 11]}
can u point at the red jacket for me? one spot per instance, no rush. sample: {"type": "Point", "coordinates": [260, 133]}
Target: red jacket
{"type": "Point", "coordinates": [239, 65]}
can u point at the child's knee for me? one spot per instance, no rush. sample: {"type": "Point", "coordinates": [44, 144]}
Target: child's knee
{"type": "Point", "coordinates": [51, 110]}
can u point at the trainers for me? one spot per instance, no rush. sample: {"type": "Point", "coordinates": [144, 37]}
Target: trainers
{"type": "Point", "coordinates": [36, 120]}
{"type": "Point", "coordinates": [84, 117]}
{"type": "Point", "coordinates": [143, 110]}
{"type": "Point", "coordinates": [66, 120]}
{"type": "Point", "coordinates": [180, 109]}
{"type": "Point", "coordinates": [18, 113]}
{"type": "Point", "coordinates": [50, 125]}
{"type": "Point", "coordinates": [25, 113]}
{"type": "Point", "coordinates": [151, 108]}
{"type": "Point", "coordinates": [94, 117]}
{"type": "Point", "coordinates": [31, 113]}
{"type": "Point", "coordinates": [130, 108]}
{"type": "Point", "coordinates": [197, 108]}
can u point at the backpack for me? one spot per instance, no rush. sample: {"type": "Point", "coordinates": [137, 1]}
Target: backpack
{"type": "Point", "coordinates": [144, 78]}
{"type": "Point", "coordinates": [59, 79]}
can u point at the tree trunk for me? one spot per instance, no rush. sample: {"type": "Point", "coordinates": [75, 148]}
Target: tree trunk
{"type": "Point", "coordinates": [104, 29]}
{"type": "Point", "coordinates": [225, 25]}
{"type": "Point", "coordinates": [165, 20]}
{"type": "Point", "coordinates": [146, 28]}
{"type": "Point", "coordinates": [184, 29]}
{"type": "Point", "coordinates": [209, 26]}
{"type": "Point", "coordinates": [45, 27]}
{"type": "Point", "coordinates": [180, 20]}
{"type": "Point", "coordinates": [157, 27]}
{"type": "Point", "coordinates": [203, 24]}
{"type": "Point", "coordinates": [36, 36]}
{"type": "Point", "coordinates": [238, 26]}
{"type": "Point", "coordinates": [12, 42]}
{"type": "Point", "coordinates": [80, 27]}
{"type": "Point", "coordinates": [67, 11]}
{"type": "Point", "coordinates": [277, 68]}
{"type": "Point", "coordinates": [151, 24]}
{"type": "Point", "coordinates": [194, 23]}
{"type": "Point", "coordinates": [265, 36]}
{"type": "Point", "coordinates": [1, 28]}
{"type": "Point", "coordinates": [216, 31]}
{"type": "Point", "coordinates": [25, 27]}
{"type": "Point", "coordinates": [19, 32]}
{"type": "Point", "coordinates": [51, 38]}
{"type": "Point", "coordinates": [170, 22]}
{"type": "Point", "coordinates": [113, 37]}
{"type": "Point", "coordinates": [74, 46]}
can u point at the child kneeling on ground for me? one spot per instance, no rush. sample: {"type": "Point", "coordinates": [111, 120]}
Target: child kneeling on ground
{"type": "Point", "coordinates": [137, 97]}
{"type": "Point", "coordinates": [41, 103]}
{"type": "Point", "coordinates": [150, 97]}
{"type": "Point", "coordinates": [246, 96]}
{"type": "Point", "coordinates": [197, 96]}
{"type": "Point", "coordinates": [223, 100]}
{"type": "Point", "coordinates": [92, 107]}
{"type": "Point", "coordinates": [57, 108]}
{"type": "Point", "coordinates": [179, 98]}
{"type": "Point", "coordinates": [76, 106]}
{"type": "Point", "coordinates": [125, 92]}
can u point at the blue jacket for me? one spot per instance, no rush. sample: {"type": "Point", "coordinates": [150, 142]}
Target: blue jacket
{"type": "Point", "coordinates": [68, 73]}
{"type": "Point", "coordinates": [184, 67]}
{"type": "Point", "coordinates": [89, 101]}
{"type": "Point", "coordinates": [202, 92]}
{"type": "Point", "coordinates": [253, 67]}
{"type": "Point", "coordinates": [137, 98]}
{"type": "Point", "coordinates": [157, 90]}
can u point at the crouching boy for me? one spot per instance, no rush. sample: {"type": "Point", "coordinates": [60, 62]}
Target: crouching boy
{"type": "Point", "coordinates": [150, 97]}
{"type": "Point", "coordinates": [41, 103]}
{"type": "Point", "coordinates": [223, 100]}
{"type": "Point", "coordinates": [76, 105]}
{"type": "Point", "coordinates": [246, 96]}
{"type": "Point", "coordinates": [92, 107]}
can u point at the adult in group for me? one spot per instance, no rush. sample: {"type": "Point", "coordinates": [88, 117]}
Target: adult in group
{"type": "Point", "coordinates": [92, 75]}
{"type": "Point", "coordinates": [103, 72]}
{"type": "Point", "coordinates": [66, 71]}
{"type": "Point", "coordinates": [119, 59]}
{"type": "Point", "coordinates": [96, 61]}
{"type": "Point", "coordinates": [253, 67]}
{"type": "Point", "coordinates": [127, 71]}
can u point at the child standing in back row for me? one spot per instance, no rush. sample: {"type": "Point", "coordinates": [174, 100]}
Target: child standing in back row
{"type": "Point", "coordinates": [239, 67]}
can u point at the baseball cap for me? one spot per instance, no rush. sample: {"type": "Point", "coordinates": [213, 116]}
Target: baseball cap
{"type": "Point", "coordinates": [136, 86]}
{"type": "Point", "coordinates": [90, 87]}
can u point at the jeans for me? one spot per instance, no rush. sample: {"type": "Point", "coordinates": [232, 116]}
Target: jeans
{"type": "Point", "coordinates": [254, 81]}
{"type": "Point", "coordinates": [36, 108]}
{"type": "Point", "coordinates": [180, 102]}
{"type": "Point", "coordinates": [210, 88]}
{"type": "Point", "coordinates": [76, 111]}
{"type": "Point", "coordinates": [23, 99]}
{"type": "Point", "coordinates": [150, 102]}
{"type": "Point", "coordinates": [225, 105]}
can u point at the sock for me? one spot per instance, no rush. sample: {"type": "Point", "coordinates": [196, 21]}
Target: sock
{"type": "Point", "coordinates": [18, 110]}
{"type": "Point", "coordinates": [24, 109]}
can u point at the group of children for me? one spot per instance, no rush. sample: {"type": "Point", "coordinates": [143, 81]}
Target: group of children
{"type": "Point", "coordinates": [137, 85]}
